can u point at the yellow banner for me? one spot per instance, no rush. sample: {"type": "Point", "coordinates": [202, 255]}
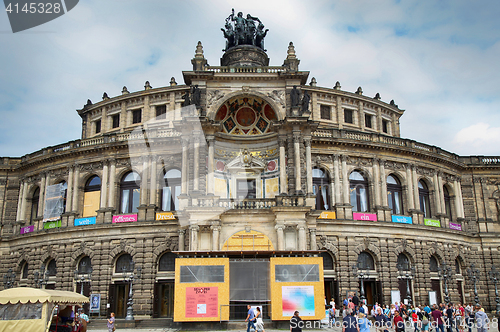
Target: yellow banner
{"type": "Point", "coordinates": [165, 216]}
{"type": "Point", "coordinates": [328, 215]}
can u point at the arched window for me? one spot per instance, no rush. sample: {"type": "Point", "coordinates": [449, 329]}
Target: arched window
{"type": "Point", "coordinates": [365, 261]}
{"type": "Point", "coordinates": [52, 268]}
{"type": "Point", "coordinates": [85, 265]}
{"type": "Point", "coordinates": [92, 196]}
{"type": "Point", "coordinates": [130, 192]}
{"type": "Point", "coordinates": [167, 262]}
{"type": "Point", "coordinates": [171, 190]}
{"type": "Point", "coordinates": [447, 202]}
{"type": "Point", "coordinates": [403, 263]}
{"type": "Point", "coordinates": [458, 267]}
{"type": "Point", "coordinates": [423, 195]}
{"type": "Point", "coordinates": [359, 192]}
{"type": "Point", "coordinates": [395, 195]}
{"type": "Point", "coordinates": [321, 188]}
{"type": "Point", "coordinates": [34, 204]}
{"type": "Point", "coordinates": [124, 263]}
{"type": "Point", "coordinates": [327, 261]}
{"type": "Point", "coordinates": [24, 270]}
{"type": "Point", "coordinates": [433, 264]}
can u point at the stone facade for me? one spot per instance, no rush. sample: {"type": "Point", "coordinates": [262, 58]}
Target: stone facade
{"type": "Point", "coordinates": [272, 150]}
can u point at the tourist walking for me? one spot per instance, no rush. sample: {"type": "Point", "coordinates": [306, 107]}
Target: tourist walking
{"type": "Point", "coordinates": [259, 323]}
{"type": "Point", "coordinates": [111, 322]}
{"type": "Point", "coordinates": [363, 323]}
{"type": "Point", "coordinates": [349, 323]}
{"type": "Point", "coordinates": [482, 320]}
{"type": "Point", "coordinates": [250, 318]}
{"type": "Point", "coordinates": [296, 323]}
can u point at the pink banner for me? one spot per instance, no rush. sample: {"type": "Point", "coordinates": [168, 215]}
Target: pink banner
{"type": "Point", "coordinates": [456, 227]}
{"type": "Point", "coordinates": [124, 218]}
{"type": "Point", "coordinates": [364, 216]}
{"type": "Point", "coordinates": [27, 229]}
{"type": "Point", "coordinates": [202, 301]}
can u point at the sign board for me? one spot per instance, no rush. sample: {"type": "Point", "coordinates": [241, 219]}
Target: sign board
{"type": "Point", "coordinates": [456, 227]}
{"type": "Point", "coordinates": [52, 224]}
{"type": "Point", "coordinates": [95, 303]}
{"type": "Point", "coordinates": [327, 215]}
{"type": "Point", "coordinates": [432, 298]}
{"type": "Point", "coordinates": [395, 296]}
{"type": "Point", "coordinates": [364, 216]}
{"type": "Point", "coordinates": [202, 302]}
{"type": "Point", "coordinates": [432, 222]}
{"type": "Point", "coordinates": [27, 229]}
{"type": "Point", "coordinates": [124, 218]}
{"type": "Point", "coordinates": [85, 221]}
{"type": "Point", "coordinates": [298, 298]}
{"type": "Point", "coordinates": [402, 220]}
{"type": "Point", "coordinates": [165, 216]}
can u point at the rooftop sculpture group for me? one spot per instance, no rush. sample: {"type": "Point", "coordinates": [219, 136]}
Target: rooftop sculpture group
{"type": "Point", "coordinates": [244, 31]}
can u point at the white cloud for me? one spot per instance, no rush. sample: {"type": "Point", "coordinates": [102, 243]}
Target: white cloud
{"type": "Point", "coordinates": [479, 138]}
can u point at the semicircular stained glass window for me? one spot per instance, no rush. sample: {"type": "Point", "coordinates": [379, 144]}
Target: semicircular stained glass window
{"type": "Point", "coordinates": [246, 116]}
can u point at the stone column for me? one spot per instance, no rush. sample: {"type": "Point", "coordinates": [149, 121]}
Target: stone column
{"type": "Point", "coordinates": [307, 143]}
{"type": "Point", "coordinates": [144, 181]}
{"type": "Point", "coordinates": [282, 142]}
{"type": "Point", "coordinates": [20, 201]}
{"type": "Point", "coordinates": [296, 148]}
{"type": "Point", "coordinates": [409, 186]}
{"type": "Point", "coordinates": [75, 188]}
{"type": "Point", "coordinates": [437, 193]}
{"type": "Point", "coordinates": [312, 234]}
{"type": "Point", "coordinates": [211, 163]}
{"type": "Point", "coordinates": [302, 237]}
{"type": "Point", "coordinates": [281, 237]}
{"type": "Point", "coordinates": [69, 194]}
{"type": "Point", "coordinates": [23, 201]}
{"type": "Point", "coordinates": [112, 184]}
{"type": "Point", "coordinates": [461, 200]}
{"type": "Point", "coordinates": [42, 196]}
{"type": "Point", "coordinates": [185, 166]}
{"type": "Point", "coordinates": [196, 162]}
{"type": "Point", "coordinates": [383, 183]}
{"type": "Point", "coordinates": [336, 172]}
{"type": "Point", "coordinates": [215, 237]}
{"type": "Point", "coordinates": [181, 239]}
{"type": "Point", "coordinates": [104, 184]}
{"type": "Point", "coordinates": [415, 187]}
{"type": "Point", "coordinates": [345, 181]}
{"type": "Point", "coordinates": [441, 193]}
{"type": "Point", "coordinates": [458, 200]}
{"type": "Point", "coordinates": [153, 185]}
{"type": "Point", "coordinates": [193, 240]}
{"type": "Point", "coordinates": [376, 182]}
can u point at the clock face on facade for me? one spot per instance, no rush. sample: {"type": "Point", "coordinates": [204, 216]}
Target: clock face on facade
{"type": "Point", "coordinates": [245, 116]}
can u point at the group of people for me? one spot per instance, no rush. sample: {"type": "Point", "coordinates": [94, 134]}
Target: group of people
{"type": "Point", "coordinates": [254, 319]}
{"type": "Point", "coordinates": [402, 318]}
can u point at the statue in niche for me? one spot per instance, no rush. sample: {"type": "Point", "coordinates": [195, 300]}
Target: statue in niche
{"type": "Point", "coordinates": [305, 102]}
{"type": "Point", "coordinates": [295, 96]}
{"type": "Point", "coordinates": [195, 95]}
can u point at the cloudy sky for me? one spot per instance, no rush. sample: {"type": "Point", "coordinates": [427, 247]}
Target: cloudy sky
{"type": "Point", "coordinates": [439, 61]}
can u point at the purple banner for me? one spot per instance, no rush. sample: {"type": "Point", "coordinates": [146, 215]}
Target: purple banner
{"type": "Point", "coordinates": [456, 227]}
{"type": "Point", "coordinates": [27, 229]}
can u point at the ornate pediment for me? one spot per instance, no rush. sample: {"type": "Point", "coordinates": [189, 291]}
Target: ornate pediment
{"type": "Point", "coordinates": [246, 162]}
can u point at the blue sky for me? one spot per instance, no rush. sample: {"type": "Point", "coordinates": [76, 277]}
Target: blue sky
{"type": "Point", "coordinates": [439, 61]}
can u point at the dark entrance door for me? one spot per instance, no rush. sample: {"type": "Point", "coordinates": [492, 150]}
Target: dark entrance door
{"type": "Point", "coordinates": [119, 307]}
{"type": "Point", "coordinates": [332, 291]}
{"type": "Point", "coordinates": [372, 294]}
{"type": "Point", "coordinates": [460, 291]}
{"type": "Point", "coordinates": [86, 292]}
{"type": "Point", "coordinates": [436, 286]}
{"type": "Point", "coordinates": [164, 299]}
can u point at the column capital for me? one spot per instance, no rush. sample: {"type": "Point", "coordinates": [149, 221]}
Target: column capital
{"type": "Point", "coordinates": [282, 141]}
{"type": "Point", "coordinates": [279, 227]}
{"type": "Point", "coordinates": [185, 142]}
{"type": "Point", "coordinates": [336, 157]}
{"type": "Point", "coordinates": [215, 228]}
{"type": "Point", "coordinates": [307, 142]}
{"type": "Point", "coordinates": [194, 227]}
{"type": "Point", "coordinates": [344, 158]}
{"type": "Point", "coordinates": [181, 231]}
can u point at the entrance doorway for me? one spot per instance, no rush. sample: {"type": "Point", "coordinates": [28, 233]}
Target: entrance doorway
{"type": "Point", "coordinates": [372, 292]}
{"type": "Point", "coordinates": [332, 292]}
{"type": "Point", "coordinates": [164, 300]}
{"type": "Point", "coordinates": [436, 287]}
{"type": "Point", "coordinates": [86, 292]}
{"type": "Point", "coordinates": [119, 296]}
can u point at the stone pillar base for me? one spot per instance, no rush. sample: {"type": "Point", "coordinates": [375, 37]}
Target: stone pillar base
{"type": "Point", "coordinates": [311, 201]}
{"type": "Point", "coordinates": [151, 213]}
{"type": "Point", "coordinates": [384, 213]}
{"type": "Point", "coordinates": [343, 211]}
{"type": "Point", "coordinates": [141, 212]}
{"type": "Point", "coordinates": [417, 217]}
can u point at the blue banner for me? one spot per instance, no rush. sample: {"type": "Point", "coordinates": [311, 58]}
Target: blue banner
{"type": "Point", "coordinates": [85, 221]}
{"type": "Point", "coordinates": [402, 219]}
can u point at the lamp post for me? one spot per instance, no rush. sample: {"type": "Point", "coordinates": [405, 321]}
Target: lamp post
{"type": "Point", "coordinates": [494, 275]}
{"type": "Point", "coordinates": [41, 278]}
{"type": "Point", "coordinates": [8, 279]}
{"type": "Point", "coordinates": [444, 272]}
{"type": "Point", "coordinates": [83, 275]}
{"type": "Point", "coordinates": [405, 272]}
{"type": "Point", "coordinates": [128, 272]}
{"type": "Point", "coordinates": [361, 276]}
{"type": "Point", "coordinates": [473, 274]}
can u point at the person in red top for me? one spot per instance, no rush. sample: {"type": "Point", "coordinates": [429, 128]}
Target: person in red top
{"type": "Point", "coordinates": [462, 318]}
{"type": "Point", "coordinates": [399, 323]}
{"type": "Point", "coordinates": [414, 317]}
{"type": "Point", "coordinates": [351, 305]}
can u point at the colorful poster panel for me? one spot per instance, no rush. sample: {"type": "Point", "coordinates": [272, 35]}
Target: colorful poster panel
{"type": "Point", "coordinates": [202, 301]}
{"type": "Point", "coordinates": [298, 298]}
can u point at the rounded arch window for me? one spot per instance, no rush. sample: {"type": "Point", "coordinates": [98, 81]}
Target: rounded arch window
{"type": "Point", "coordinates": [24, 270]}
{"type": "Point", "coordinates": [423, 195]}
{"type": "Point", "coordinates": [327, 261]}
{"type": "Point", "coordinates": [395, 195]}
{"type": "Point", "coordinates": [403, 263]}
{"type": "Point", "coordinates": [167, 262]}
{"type": "Point", "coordinates": [321, 188]}
{"type": "Point", "coordinates": [52, 268]}
{"type": "Point", "coordinates": [130, 192]}
{"type": "Point", "coordinates": [92, 196]}
{"type": "Point", "coordinates": [365, 261]}
{"type": "Point", "coordinates": [85, 265]}
{"type": "Point", "coordinates": [447, 202]}
{"type": "Point", "coordinates": [433, 264]}
{"type": "Point", "coordinates": [171, 190]}
{"type": "Point", "coordinates": [124, 263]}
{"type": "Point", "coordinates": [359, 192]}
{"type": "Point", "coordinates": [34, 204]}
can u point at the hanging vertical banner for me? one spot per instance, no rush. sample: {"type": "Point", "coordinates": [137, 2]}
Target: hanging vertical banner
{"type": "Point", "coordinates": [54, 202]}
